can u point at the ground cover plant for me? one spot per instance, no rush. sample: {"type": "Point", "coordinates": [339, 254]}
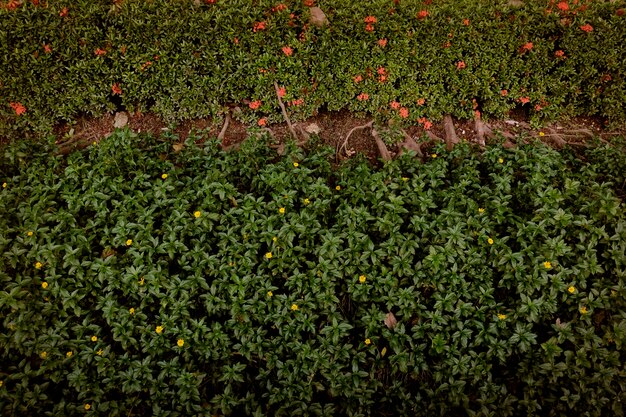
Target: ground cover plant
{"type": "Point", "coordinates": [136, 280]}
{"type": "Point", "coordinates": [414, 61]}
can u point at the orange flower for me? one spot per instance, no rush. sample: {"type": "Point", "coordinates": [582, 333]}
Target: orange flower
{"type": "Point", "coordinates": [358, 79]}
{"type": "Point", "coordinates": [527, 46]}
{"type": "Point", "coordinates": [466, 22]}
{"type": "Point", "coordinates": [369, 27]}
{"type": "Point", "coordinates": [18, 108]}
{"type": "Point", "coordinates": [460, 65]}
{"type": "Point", "coordinates": [282, 91]}
{"type": "Point", "coordinates": [116, 89]}
{"type": "Point", "coordinates": [236, 40]}
{"type": "Point", "coordinates": [382, 78]}
{"type": "Point", "coordinates": [586, 28]}
{"type": "Point", "coordinates": [255, 104]}
{"type": "Point", "coordinates": [381, 71]}
{"type": "Point", "coordinates": [394, 105]}
{"type": "Point", "coordinates": [421, 101]}
{"type": "Point", "coordinates": [538, 107]}
{"type": "Point", "coordinates": [309, 3]}
{"type": "Point", "coordinates": [404, 112]}
{"type": "Point", "coordinates": [422, 14]}
{"type": "Point", "coordinates": [47, 48]}
{"type": "Point", "coordinates": [363, 97]}
{"type": "Point", "coordinates": [524, 100]}
{"type": "Point", "coordinates": [563, 6]}
{"type": "Point", "coordinates": [13, 5]}
{"type": "Point", "coordinates": [297, 102]}
{"type": "Point", "coordinates": [64, 12]}
{"type": "Point", "coordinates": [370, 19]}
{"type": "Point", "coordinates": [262, 122]}
{"type": "Point", "coordinates": [427, 125]}
{"type": "Point", "coordinates": [382, 43]}
{"type": "Point", "coordinates": [559, 54]}
{"type": "Point", "coordinates": [287, 50]}
{"type": "Point", "coordinates": [447, 44]}
{"type": "Point", "coordinates": [100, 52]}
{"type": "Point", "coordinates": [259, 26]}
{"type": "Point", "coordinates": [504, 93]}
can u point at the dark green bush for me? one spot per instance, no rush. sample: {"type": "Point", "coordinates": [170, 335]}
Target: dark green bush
{"type": "Point", "coordinates": [186, 59]}
{"type": "Point", "coordinates": [505, 272]}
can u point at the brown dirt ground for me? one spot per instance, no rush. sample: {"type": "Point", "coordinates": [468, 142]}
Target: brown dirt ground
{"type": "Point", "coordinates": [334, 126]}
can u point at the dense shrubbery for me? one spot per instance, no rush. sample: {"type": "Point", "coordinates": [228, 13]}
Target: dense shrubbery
{"type": "Point", "coordinates": [185, 59]}
{"type": "Point", "coordinates": [140, 282]}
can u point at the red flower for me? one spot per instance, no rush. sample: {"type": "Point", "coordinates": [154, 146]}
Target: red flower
{"type": "Point", "coordinates": [64, 12]}
{"type": "Point", "coordinates": [282, 91]}
{"type": "Point", "coordinates": [586, 28]}
{"type": "Point", "coordinates": [394, 105]}
{"type": "Point", "coordinates": [559, 54]}
{"type": "Point", "coordinates": [297, 102]}
{"type": "Point", "coordinates": [369, 27]}
{"type": "Point", "coordinates": [421, 101]}
{"type": "Point", "coordinates": [538, 107]}
{"type": "Point", "coordinates": [460, 65]}
{"type": "Point", "coordinates": [262, 122]}
{"type": "Point", "coordinates": [309, 3]}
{"type": "Point", "coordinates": [527, 46]}
{"type": "Point", "coordinates": [404, 112]}
{"type": "Point", "coordinates": [605, 78]}
{"type": "Point", "coordinates": [259, 26]}
{"type": "Point", "coordinates": [382, 43]}
{"type": "Point", "coordinates": [422, 14]}
{"type": "Point", "coordinates": [563, 6]}
{"type": "Point", "coordinates": [116, 89]}
{"type": "Point", "coordinates": [279, 7]}
{"type": "Point", "coordinates": [13, 5]}
{"type": "Point", "coordinates": [255, 104]}
{"type": "Point", "coordinates": [236, 40]}
{"type": "Point", "coordinates": [363, 97]}
{"type": "Point", "coordinates": [447, 44]}
{"type": "Point", "coordinates": [381, 71]}
{"type": "Point", "coordinates": [382, 78]}
{"type": "Point", "coordinates": [620, 12]}
{"type": "Point", "coordinates": [427, 125]}
{"type": "Point", "coordinates": [358, 79]}
{"type": "Point", "coordinates": [370, 19]}
{"type": "Point", "coordinates": [524, 100]}
{"type": "Point", "coordinates": [100, 52]}
{"type": "Point", "coordinates": [47, 48]}
{"type": "Point", "coordinates": [504, 93]}
{"type": "Point", "coordinates": [466, 22]}
{"type": "Point", "coordinates": [18, 108]}
{"type": "Point", "coordinates": [287, 50]}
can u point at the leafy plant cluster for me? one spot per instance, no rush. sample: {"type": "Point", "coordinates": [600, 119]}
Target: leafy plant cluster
{"type": "Point", "coordinates": [140, 281]}
{"type": "Point", "coordinates": [409, 60]}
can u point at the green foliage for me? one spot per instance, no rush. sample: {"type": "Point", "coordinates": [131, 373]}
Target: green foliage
{"type": "Point", "coordinates": [137, 293]}
{"type": "Point", "coordinates": [186, 59]}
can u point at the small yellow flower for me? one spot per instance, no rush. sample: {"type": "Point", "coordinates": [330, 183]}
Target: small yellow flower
{"type": "Point", "coordinates": [274, 239]}
{"type": "Point", "coordinates": [307, 201]}
{"type": "Point", "coordinates": [281, 210]}
{"type": "Point", "coordinates": [43, 355]}
{"type": "Point", "coordinates": [583, 310]}
{"type": "Point", "coordinates": [296, 165]}
{"type": "Point", "coordinates": [481, 210]}
{"type": "Point", "coordinates": [142, 281]}
{"type": "Point", "coordinates": [571, 289]}
{"type": "Point", "coordinates": [44, 285]}
{"type": "Point", "coordinates": [69, 353]}
{"type": "Point", "coordinates": [500, 160]}
{"type": "Point", "coordinates": [1, 383]}
{"type": "Point", "coordinates": [38, 265]}
{"type": "Point", "coordinates": [100, 352]}
{"type": "Point", "coordinates": [94, 338]}
{"type": "Point", "coordinates": [197, 214]}
{"type": "Point", "coordinates": [541, 134]}
{"type": "Point", "coordinates": [29, 234]}
{"type": "Point", "coordinates": [268, 255]}
{"type": "Point", "coordinates": [490, 241]}
{"type": "Point", "coordinates": [4, 185]}
{"type": "Point", "coordinates": [433, 155]}
{"type": "Point", "coordinates": [131, 311]}
{"type": "Point", "coordinates": [270, 294]}
{"type": "Point", "coordinates": [159, 329]}
{"type": "Point", "coordinates": [547, 265]}
{"type": "Point", "coordinates": [362, 279]}
{"type": "Point", "coordinates": [129, 242]}
{"type": "Point", "coordinates": [405, 179]}
{"type": "Point", "coordinates": [383, 352]}
{"type": "Point", "coordinates": [164, 176]}
{"type": "Point", "coordinates": [338, 188]}
{"type": "Point", "coordinates": [368, 342]}
{"type": "Point", "coordinates": [294, 307]}
{"type": "Point", "coordinates": [501, 316]}
{"type": "Point", "coordinates": [87, 407]}
{"type": "Point", "coordinates": [180, 342]}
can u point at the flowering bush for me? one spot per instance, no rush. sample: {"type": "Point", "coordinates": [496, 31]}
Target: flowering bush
{"type": "Point", "coordinates": [188, 59]}
{"type": "Point", "coordinates": [136, 280]}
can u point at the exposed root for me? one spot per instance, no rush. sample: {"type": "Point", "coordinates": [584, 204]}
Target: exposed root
{"type": "Point", "coordinates": [434, 137]}
{"type": "Point", "coordinates": [222, 133]}
{"type": "Point", "coordinates": [382, 148]}
{"type": "Point", "coordinates": [285, 115]}
{"type": "Point", "coordinates": [343, 146]}
{"type": "Point", "coordinates": [305, 135]}
{"type": "Point", "coordinates": [409, 144]}
{"type": "Point", "coordinates": [482, 131]}
{"type": "Point", "coordinates": [451, 137]}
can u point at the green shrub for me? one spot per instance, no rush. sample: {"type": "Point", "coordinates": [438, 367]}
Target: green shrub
{"type": "Point", "coordinates": [504, 271]}
{"type": "Point", "coordinates": [186, 59]}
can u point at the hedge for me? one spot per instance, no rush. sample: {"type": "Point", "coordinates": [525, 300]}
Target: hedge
{"type": "Point", "coordinates": [410, 60]}
{"type": "Point", "coordinates": [140, 281]}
